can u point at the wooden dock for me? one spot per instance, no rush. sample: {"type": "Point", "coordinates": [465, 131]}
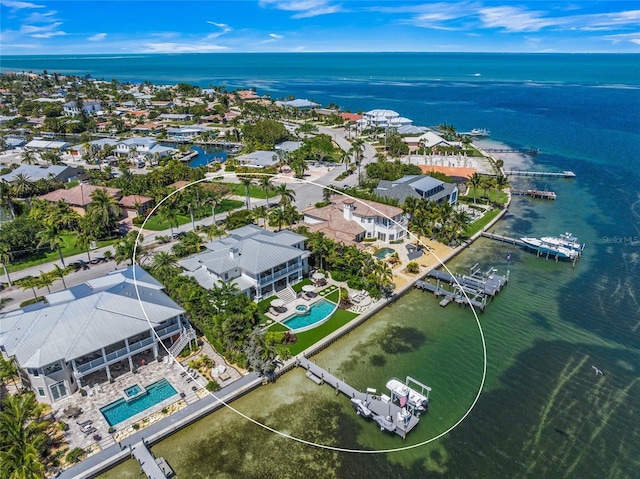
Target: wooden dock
{"type": "Point", "coordinates": [379, 404]}
{"type": "Point", "coordinates": [151, 467]}
{"type": "Point", "coordinates": [563, 174]}
{"type": "Point", "coordinates": [528, 151]}
{"type": "Point", "coordinates": [544, 194]}
{"type": "Point", "coordinates": [503, 239]}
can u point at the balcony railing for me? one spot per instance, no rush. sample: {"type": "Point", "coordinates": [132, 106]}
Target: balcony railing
{"type": "Point", "coordinates": [90, 365]}
{"type": "Point", "coordinates": [279, 274]}
{"type": "Point", "coordinates": [117, 354]}
{"type": "Point", "coordinates": [168, 330]}
{"type": "Point", "coordinates": [140, 344]}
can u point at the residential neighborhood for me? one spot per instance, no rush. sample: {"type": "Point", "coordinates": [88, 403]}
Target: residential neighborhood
{"type": "Point", "coordinates": [141, 223]}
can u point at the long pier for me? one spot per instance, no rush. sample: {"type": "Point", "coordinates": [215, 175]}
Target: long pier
{"type": "Point", "coordinates": [544, 194]}
{"type": "Point", "coordinates": [379, 405]}
{"type": "Point", "coordinates": [503, 239]}
{"type": "Point", "coordinates": [563, 174]}
{"type": "Point", "coordinates": [528, 151]}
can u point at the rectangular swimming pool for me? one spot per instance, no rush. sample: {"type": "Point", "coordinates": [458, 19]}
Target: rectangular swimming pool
{"type": "Point", "coordinates": [121, 410]}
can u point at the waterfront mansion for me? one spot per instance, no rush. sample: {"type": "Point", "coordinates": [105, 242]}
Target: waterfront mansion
{"type": "Point", "coordinates": [92, 333]}
{"type": "Point", "coordinates": [350, 221]}
{"type": "Point", "coordinates": [258, 261]}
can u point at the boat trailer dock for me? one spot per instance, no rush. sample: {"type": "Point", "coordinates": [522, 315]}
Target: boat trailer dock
{"type": "Point", "coordinates": [379, 404]}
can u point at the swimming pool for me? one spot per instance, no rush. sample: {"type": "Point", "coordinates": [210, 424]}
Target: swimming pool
{"type": "Point", "coordinates": [384, 252]}
{"type": "Point", "coordinates": [318, 314]}
{"type": "Point", "coordinates": [121, 410]}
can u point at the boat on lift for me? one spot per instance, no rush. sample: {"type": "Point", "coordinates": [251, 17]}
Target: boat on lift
{"type": "Point", "coordinates": [480, 132]}
{"type": "Point", "coordinates": [408, 396]}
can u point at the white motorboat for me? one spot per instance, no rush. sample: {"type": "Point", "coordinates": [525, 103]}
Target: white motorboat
{"type": "Point", "coordinates": [361, 407]}
{"type": "Point", "coordinates": [545, 247]}
{"type": "Point", "coordinates": [566, 240]}
{"type": "Point", "coordinates": [407, 395]}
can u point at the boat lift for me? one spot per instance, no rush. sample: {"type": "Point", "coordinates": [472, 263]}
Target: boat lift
{"type": "Point", "coordinates": [415, 387]}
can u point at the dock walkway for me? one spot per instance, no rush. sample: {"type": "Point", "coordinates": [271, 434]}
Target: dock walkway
{"type": "Point", "coordinates": [563, 174]}
{"type": "Point", "coordinates": [378, 404]}
{"type": "Point", "coordinates": [544, 194]}
{"type": "Point", "coordinates": [503, 239]}
{"type": "Point", "coordinates": [147, 462]}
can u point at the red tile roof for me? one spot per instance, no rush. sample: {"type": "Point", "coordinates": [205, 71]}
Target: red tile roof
{"type": "Point", "coordinates": [79, 195]}
{"type": "Point", "coordinates": [131, 200]}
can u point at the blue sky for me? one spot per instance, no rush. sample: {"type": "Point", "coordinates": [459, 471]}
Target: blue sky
{"type": "Point", "coordinates": [209, 26]}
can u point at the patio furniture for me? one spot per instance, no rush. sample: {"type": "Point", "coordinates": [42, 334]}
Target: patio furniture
{"type": "Point", "coordinates": [88, 431]}
{"type": "Point", "coordinates": [72, 411]}
{"type": "Point", "coordinates": [84, 423]}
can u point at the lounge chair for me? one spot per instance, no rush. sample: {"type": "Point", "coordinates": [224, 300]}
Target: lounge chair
{"type": "Point", "coordinates": [89, 430]}
{"type": "Point", "coordinates": [90, 391]}
{"type": "Point", "coordinates": [84, 423]}
{"type": "Point", "coordinates": [98, 388]}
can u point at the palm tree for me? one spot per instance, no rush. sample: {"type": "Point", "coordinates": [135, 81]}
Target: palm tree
{"type": "Point", "coordinates": [475, 181]}
{"type": "Point", "coordinates": [170, 215]}
{"type": "Point", "coordinates": [5, 257]}
{"type": "Point", "coordinates": [28, 157]}
{"type": "Point", "coordinates": [286, 195]}
{"type": "Point", "coordinates": [84, 240]}
{"type": "Point", "coordinates": [24, 438]}
{"type": "Point", "coordinates": [60, 273]}
{"type": "Point", "coordinates": [260, 213]}
{"type": "Point", "coordinates": [6, 198]}
{"type": "Point", "coordinates": [51, 237]}
{"type": "Point", "coordinates": [163, 263]}
{"type": "Point", "coordinates": [30, 283]}
{"type": "Point", "coordinates": [277, 218]}
{"type": "Point", "coordinates": [103, 210]}
{"type": "Point", "coordinates": [247, 182]}
{"type": "Point", "coordinates": [126, 248]}
{"type": "Point", "coordinates": [45, 280]}
{"type": "Point", "coordinates": [266, 184]}
{"type": "Point", "coordinates": [22, 185]}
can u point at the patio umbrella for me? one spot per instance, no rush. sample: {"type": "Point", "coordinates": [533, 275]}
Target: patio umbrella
{"type": "Point", "coordinates": [308, 288]}
{"type": "Point", "coordinates": [318, 276]}
{"type": "Point", "coordinates": [277, 303]}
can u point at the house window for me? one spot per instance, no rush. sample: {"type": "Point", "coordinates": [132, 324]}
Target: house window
{"type": "Point", "coordinates": [34, 372]}
{"type": "Point", "coordinates": [40, 392]}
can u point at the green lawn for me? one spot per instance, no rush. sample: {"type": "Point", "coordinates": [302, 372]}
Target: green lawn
{"type": "Point", "coordinates": [308, 338]}
{"type": "Point", "coordinates": [496, 196]}
{"type": "Point", "coordinates": [254, 190]}
{"type": "Point", "coordinates": [46, 256]}
{"type": "Point", "coordinates": [477, 225]}
{"type": "Point", "coordinates": [158, 224]}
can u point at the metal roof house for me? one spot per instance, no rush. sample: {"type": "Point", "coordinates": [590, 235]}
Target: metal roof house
{"type": "Point", "coordinates": [258, 261]}
{"type": "Point", "coordinates": [36, 172]}
{"type": "Point", "coordinates": [258, 159]}
{"type": "Point", "coordinates": [420, 186]}
{"type": "Point", "coordinates": [91, 332]}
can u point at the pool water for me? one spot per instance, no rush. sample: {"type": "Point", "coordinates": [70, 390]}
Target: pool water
{"type": "Point", "coordinates": [133, 390]}
{"type": "Point", "coordinates": [121, 410]}
{"type": "Point", "coordinates": [317, 312]}
{"type": "Point", "coordinates": [384, 252]}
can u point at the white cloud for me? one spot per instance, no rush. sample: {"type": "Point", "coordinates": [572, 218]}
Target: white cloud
{"type": "Point", "coordinates": [98, 37]}
{"type": "Point", "coordinates": [624, 37]}
{"type": "Point", "coordinates": [515, 19]}
{"type": "Point", "coordinates": [225, 29]}
{"type": "Point", "coordinates": [275, 36]}
{"type": "Point", "coordinates": [174, 47]}
{"type": "Point", "coordinates": [303, 8]}
{"type": "Point", "coordinates": [19, 5]}
{"type": "Point", "coordinates": [42, 31]}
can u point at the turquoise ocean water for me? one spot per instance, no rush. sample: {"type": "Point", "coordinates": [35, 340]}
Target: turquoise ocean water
{"type": "Point", "coordinates": [543, 411]}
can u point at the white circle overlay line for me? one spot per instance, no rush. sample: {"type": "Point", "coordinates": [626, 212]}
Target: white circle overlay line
{"type": "Point", "coordinates": [275, 431]}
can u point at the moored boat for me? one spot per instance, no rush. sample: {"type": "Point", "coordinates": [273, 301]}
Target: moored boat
{"type": "Point", "coordinates": [566, 240]}
{"type": "Point", "coordinates": [550, 248]}
{"type": "Point", "coordinates": [407, 395]}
